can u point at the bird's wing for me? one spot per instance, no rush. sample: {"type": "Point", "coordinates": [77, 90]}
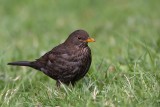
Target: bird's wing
{"type": "Point", "coordinates": [51, 55]}
{"type": "Point", "coordinates": [53, 62]}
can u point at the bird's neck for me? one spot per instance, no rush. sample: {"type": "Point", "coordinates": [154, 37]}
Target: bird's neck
{"type": "Point", "coordinates": [80, 46]}
{"type": "Point", "coordinates": [83, 45]}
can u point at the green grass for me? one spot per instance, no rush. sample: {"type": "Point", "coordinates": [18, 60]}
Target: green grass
{"type": "Point", "coordinates": [125, 70]}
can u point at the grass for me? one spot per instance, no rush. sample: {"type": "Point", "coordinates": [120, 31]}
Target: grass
{"type": "Point", "coordinates": [126, 54]}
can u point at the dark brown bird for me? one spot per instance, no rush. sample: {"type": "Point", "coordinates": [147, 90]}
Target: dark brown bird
{"type": "Point", "coordinates": [67, 62]}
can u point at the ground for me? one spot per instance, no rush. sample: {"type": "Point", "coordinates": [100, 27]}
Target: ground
{"type": "Point", "coordinates": [126, 54]}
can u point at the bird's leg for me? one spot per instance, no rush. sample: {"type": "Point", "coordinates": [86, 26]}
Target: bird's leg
{"type": "Point", "coordinates": [58, 83]}
{"type": "Point", "coordinates": [72, 83]}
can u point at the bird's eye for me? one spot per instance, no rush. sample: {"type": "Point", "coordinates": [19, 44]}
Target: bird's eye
{"type": "Point", "coordinates": [79, 38]}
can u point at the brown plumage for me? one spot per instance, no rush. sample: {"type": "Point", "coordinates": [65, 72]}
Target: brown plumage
{"type": "Point", "coordinates": [67, 62]}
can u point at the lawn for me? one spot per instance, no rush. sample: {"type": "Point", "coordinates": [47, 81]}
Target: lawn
{"type": "Point", "coordinates": [125, 70]}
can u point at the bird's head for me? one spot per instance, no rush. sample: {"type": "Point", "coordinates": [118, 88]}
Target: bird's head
{"type": "Point", "coordinates": [79, 38]}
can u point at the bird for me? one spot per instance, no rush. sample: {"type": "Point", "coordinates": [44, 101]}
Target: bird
{"type": "Point", "coordinates": [66, 63]}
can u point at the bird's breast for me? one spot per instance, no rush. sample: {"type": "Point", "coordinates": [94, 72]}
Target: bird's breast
{"type": "Point", "coordinates": [73, 59]}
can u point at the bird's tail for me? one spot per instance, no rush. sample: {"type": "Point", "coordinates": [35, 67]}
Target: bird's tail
{"type": "Point", "coordinates": [24, 63]}
{"type": "Point", "coordinates": [20, 63]}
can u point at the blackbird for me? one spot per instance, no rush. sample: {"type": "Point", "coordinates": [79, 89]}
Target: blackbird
{"type": "Point", "coordinates": [67, 62]}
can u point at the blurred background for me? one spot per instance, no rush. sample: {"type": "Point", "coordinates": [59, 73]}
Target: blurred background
{"type": "Point", "coordinates": [35, 26]}
{"type": "Point", "coordinates": [125, 31]}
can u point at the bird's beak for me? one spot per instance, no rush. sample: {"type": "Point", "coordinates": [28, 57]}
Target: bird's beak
{"type": "Point", "coordinates": [90, 40]}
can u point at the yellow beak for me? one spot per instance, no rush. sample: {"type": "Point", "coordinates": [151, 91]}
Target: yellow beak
{"type": "Point", "coordinates": [90, 40]}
